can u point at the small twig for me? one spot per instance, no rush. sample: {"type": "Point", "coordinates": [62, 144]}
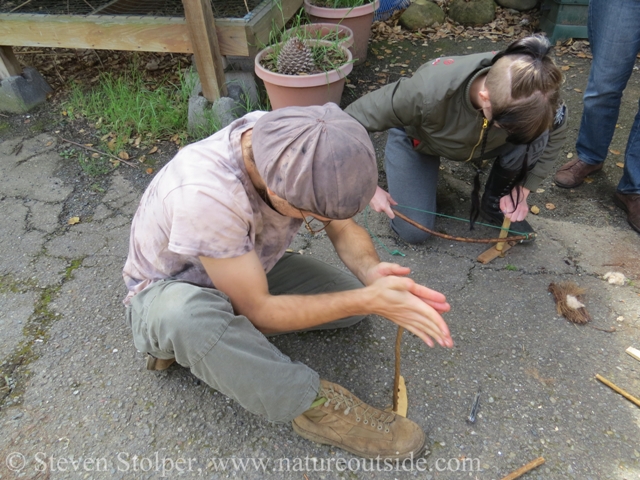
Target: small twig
{"type": "Point", "coordinates": [98, 151]}
{"type": "Point", "coordinates": [3, 115]}
{"type": "Point", "coordinates": [247, 6]}
{"type": "Point", "coordinates": [91, 6]}
{"type": "Point", "coordinates": [20, 6]}
{"type": "Point", "coordinates": [522, 470]}
{"type": "Point", "coordinates": [617, 389]}
{"type": "Point", "coordinates": [606, 330]}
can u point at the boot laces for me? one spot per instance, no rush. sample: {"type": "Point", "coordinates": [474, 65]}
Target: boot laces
{"type": "Point", "coordinates": [368, 414]}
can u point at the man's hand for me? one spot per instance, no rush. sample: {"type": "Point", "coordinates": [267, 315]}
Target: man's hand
{"type": "Point", "coordinates": [383, 269]}
{"type": "Point", "coordinates": [412, 306]}
{"type": "Point", "coordinates": [515, 213]}
{"type": "Point", "coordinates": [382, 201]}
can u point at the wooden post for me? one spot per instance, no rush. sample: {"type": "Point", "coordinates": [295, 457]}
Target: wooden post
{"type": "Point", "coordinates": [9, 65]}
{"type": "Point", "coordinates": [202, 32]}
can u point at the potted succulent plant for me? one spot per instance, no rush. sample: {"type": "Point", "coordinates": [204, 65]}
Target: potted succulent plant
{"type": "Point", "coordinates": [302, 71]}
{"type": "Point", "coordinates": [355, 14]}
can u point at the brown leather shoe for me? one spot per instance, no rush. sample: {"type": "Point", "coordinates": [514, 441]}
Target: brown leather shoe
{"type": "Point", "coordinates": [573, 173]}
{"type": "Point", "coordinates": [630, 204]}
{"type": "Point", "coordinates": [158, 364]}
{"type": "Point", "coordinates": [347, 422]}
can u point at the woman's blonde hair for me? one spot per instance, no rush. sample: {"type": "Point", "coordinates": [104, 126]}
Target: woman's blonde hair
{"type": "Point", "coordinates": [524, 89]}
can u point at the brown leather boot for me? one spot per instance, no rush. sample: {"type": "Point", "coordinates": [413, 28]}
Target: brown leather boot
{"type": "Point", "coordinates": [158, 364]}
{"type": "Point", "coordinates": [573, 173]}
{"type": "Point", "coordinates": [347, 422]}
{"type": "Point", "coordinates": [630, 204]}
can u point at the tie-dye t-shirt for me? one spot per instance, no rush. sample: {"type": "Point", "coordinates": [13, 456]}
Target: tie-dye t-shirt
{"type": "Point", "coordinates": [202, 203]}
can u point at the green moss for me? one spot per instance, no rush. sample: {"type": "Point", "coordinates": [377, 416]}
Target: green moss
{"type": "Point", "coordinates": [12, 375]}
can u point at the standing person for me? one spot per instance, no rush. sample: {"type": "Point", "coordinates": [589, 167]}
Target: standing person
{"type": "Point", "coordinates": [614, 36]}
{"type": "Point", "coordinates": [469, 108]}
{"type": "Point", "coordinates": [208, 275]}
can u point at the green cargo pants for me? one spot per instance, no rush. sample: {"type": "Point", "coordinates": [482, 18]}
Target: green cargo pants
{"type": "Point", "coordinates": [197, 326]}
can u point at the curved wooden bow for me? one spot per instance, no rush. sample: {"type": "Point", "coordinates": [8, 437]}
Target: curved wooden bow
{"type": "Point", "coordinates": [516, 238]}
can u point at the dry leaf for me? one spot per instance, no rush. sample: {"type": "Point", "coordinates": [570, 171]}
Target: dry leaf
{"type": "Point", "coordinates": [48, 144]}
{"type": "Point", "coordinates": [535, 210]}
{"type": "Point", "coordinates": [95, 155]}
{"type": "Point", "coordinates": [137, 141]}
{"type": "Point", "coordinates": [615, 152]}
{"type": "Point", "coordinates": [620, 164]}
{"type": "Point", "coordinates": [550, 206]}
{"type": "Point", "coordinates": [142, 158]}
{"type": "Point", "coordinates": [565, 68]}
{"type": "Point", "coordinates": [153, 150]}
{"type": "Point", "coordinates": [149, 171]}
{"type": "Point", "coordinates": [569, 155]}
{"type": "Point", "coordinates": [116, 163]}
{"type": "Point", "coordinates": [588, 180]}
{"type": "Point", "coordinates": [577, 90]}
{"type": "Point", "coordinates": [111, 145]}
{"type": "Point", "coordinates": [540, 190]}
{"type": "Point", "coordinates": [73, 220]}
{"type": "Point", "coordinates": [123, 155]}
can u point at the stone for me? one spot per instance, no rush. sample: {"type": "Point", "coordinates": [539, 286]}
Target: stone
{"type": "Point", "coordinates": [520, 5]}
{"type": "Point", "coordinates": [474, 12]}
{"type": "Point", "coordinates": [421, 14]}
{"type": "Point", "coordinates": [20, 93]}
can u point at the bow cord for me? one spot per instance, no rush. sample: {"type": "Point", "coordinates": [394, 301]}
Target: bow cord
{"type": "Point", "coordinates": [516, 238]}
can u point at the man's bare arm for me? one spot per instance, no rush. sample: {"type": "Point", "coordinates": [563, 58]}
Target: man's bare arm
{"type": "Point", "coordinates": [398, 299]}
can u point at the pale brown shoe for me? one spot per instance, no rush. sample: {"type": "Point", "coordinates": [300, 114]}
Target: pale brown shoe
{"type": "Point", "coordinates": [347, 422]}
{"type": "Point", "coordinates": [158, 364]}
{"type": "Point", "coordinates": [631, 204]}
{"type": "Point", "coordinates": [573, 173]}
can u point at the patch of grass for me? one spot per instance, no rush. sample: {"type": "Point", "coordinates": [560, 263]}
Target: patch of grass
{"type": "Point", "coordinates": [93, 167]}
{"type": "Point", "coordinates": [511, 268]}
{"type": "Point", "coordinates": [127, 105]}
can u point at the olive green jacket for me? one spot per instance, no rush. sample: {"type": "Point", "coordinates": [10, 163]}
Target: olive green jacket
{"type": "Point", "coordinates": [434, 107]}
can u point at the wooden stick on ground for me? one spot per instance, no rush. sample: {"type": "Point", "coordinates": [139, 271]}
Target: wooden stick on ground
{"type": "Point", "coordinates": [522, 470]}
{"type": "Point", "coordinates": [634, 352]}
{"type": "Point", "coordinates": [97, 151]}
{"type": "Point", "coordinates": [617, 389]}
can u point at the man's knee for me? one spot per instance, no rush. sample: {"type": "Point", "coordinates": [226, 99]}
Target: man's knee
{"type": "Point", "coordinates": [409, 233]}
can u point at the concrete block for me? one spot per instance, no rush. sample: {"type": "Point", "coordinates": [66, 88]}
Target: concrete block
{"type": "Point", "coordinates": [243, 93]}
{"type": "Point", "coordinates": [242, 87]}
{"type": "Point", "coordinates": [20, 93]}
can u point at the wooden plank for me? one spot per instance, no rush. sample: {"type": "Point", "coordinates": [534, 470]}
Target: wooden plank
{"type": "Point", "coordinates": [266, 17]}
{"type": "Point", "coordinates": [9, 64]}
{"type": "Point", "coordinates": [493, 253]}
{"type": "Point", "coordinates": [204, 42]}
{"type": "Point", "coordinates": [105, 32]}
{"type": "Point", "coordinates": [110, 32]}
{"type": "Point", "coordinates": [634, 352]}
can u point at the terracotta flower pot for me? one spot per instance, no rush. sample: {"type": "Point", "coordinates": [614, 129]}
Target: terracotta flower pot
{"type": "Point", "coordinates": [303, 90]}
{"type": "Point", "coordinates": [358, 19]}
{"type": "Point", "coordinates": [318, 31]}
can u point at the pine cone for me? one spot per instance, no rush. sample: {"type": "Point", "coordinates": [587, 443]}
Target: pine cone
{"type": "Point", "coordinates": [295, 58]}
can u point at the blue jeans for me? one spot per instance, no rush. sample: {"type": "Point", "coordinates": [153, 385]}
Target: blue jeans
{"type": "Point", "coordinates": [614, 34]}
{"type": "Point", "coordinates": [412, 178]}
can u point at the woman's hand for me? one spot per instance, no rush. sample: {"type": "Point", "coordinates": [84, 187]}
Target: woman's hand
{"type": "Point", "coordinates": [515, 213]}
{"type": "Point", "coordinates": [382, 201]}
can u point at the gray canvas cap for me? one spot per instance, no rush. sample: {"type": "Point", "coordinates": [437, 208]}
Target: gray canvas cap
{"type": "Point", "coordinates": [317, 158]}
